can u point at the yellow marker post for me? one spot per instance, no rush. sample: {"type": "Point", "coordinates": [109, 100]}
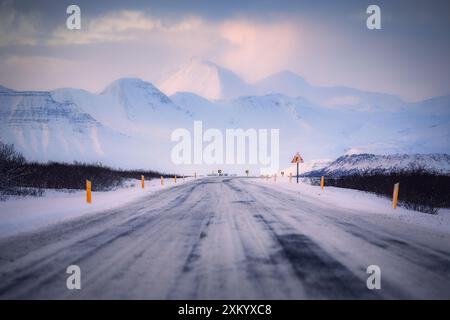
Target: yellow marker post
{"type": "Point", "coordinates": [88, 191]}
{"type": "Point", "coordinates": [142, 182]}
{"type": "Point", "coordinates": [162, 180]}
{"type": "Point", "coordinates": [175, 179]}
{"type": "Point", "coordinates": [322, 182]}
{"type": "Point", "coordinates": [395, 195]}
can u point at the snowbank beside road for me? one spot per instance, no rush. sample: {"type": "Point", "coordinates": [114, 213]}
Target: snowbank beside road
{"type": "Point", "coordinates": [360, 202]}
{"type": "Point", "coordinates": [28, 213]}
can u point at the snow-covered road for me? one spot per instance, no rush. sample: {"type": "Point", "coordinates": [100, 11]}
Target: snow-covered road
{"type": "Point", "coordinates": [232, 238]}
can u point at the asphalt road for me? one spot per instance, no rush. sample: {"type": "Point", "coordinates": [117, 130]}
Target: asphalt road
{"type": "Point", "coordinates": [231, 238]}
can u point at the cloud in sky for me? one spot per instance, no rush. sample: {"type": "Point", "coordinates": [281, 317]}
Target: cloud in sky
{"type": "Point", "coordinates": [17, 28]}
{"type": "Point", "coordinates": [254, 40]}
{"type": "Point", "coordinates": [121, 26]}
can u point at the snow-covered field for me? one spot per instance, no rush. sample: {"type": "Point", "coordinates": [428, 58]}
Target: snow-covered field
{"type": "Point", "coordinates": [20, 214]}
{"type": "Point", "coordinates": [363, 202]}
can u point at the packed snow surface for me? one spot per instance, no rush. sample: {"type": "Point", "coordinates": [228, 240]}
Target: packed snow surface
{"type": "Point", "coordinates": [234, 238]}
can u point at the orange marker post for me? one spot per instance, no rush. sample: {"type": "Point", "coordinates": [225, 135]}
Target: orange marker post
{"type": "Point", "coordinates": [88, 191]}
{"type": "Point", "coordinates": [395, 195]}
{"type": "Point", "coordinates": [142, 182]}
{"type": "Point", "coordinates": [162, 180]}
{"type": "Point", "coordinates": [322, 182]}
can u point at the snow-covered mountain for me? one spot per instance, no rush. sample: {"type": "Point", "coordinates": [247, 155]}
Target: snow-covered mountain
{"type": "Point", "coordinates": [320, 132]}
{"type": "Point", "coordinates": [125, 102]}
{"type": "Point", "coordinates": [291, 84]}
{"type": "Point", "coordinates": [40, 126]}
{"type": "Point", "coordinates": [206, 79]}
{"type": "Point", "coordinates": [129, 124]}
{"type": "Point", "coordinates": [370, 163]}
{"type": "Point", "coordinates": [212, 81]}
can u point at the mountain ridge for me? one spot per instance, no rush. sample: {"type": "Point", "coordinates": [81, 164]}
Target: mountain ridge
{"type": "Point", "coordinates": [134, 118]}
{"type": "Point", "coordinates": [436, 163]}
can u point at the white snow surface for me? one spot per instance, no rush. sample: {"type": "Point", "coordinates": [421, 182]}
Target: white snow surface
{"type": "Point", "coordinates": [360, 201]}
{"type": "Point", "coordinates": [21, 214]}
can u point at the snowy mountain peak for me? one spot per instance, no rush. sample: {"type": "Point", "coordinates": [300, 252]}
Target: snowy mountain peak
{"type": "Point", "coordinates": [134, 91]}
{"type": "Point", "coordinates": [126, 84]}
{"type": "Point", "coordinates": [206, 79]}
{"type": "Point", "coordinates": [371, 163]}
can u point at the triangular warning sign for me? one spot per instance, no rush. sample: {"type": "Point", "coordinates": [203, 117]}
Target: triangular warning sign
{"type": "Point", "coordinates": [297, 158]}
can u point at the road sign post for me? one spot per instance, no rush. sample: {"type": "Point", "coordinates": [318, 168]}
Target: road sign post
{"type": "Point", "coordinates": [297, 159]}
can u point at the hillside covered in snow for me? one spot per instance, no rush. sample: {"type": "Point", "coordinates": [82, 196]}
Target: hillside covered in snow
{"type": "Point", "coordinates": [129, 123]}
{"type": "Point", "coordinates": [384, 164]}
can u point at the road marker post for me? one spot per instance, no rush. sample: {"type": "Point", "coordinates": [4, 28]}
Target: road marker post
{"type": "Point", "coordinates": [195, 175]}
{"type": "Point", "coordinates": [290, 177]}
{"type": "Point", "coordinates": [395, 195]}
{"type": "Point", "coordinates": [175, 179]}
{"type": "Point", "coordinates": [322, 182]}
{"type": "Point", "coordinates": [162, 180]}
{"type": "Point", "coordinates": [142, 182]}
{"type": "Point", "coordinates": [88, 191]}
{"type": "Point", "coordinates": [275, 177]}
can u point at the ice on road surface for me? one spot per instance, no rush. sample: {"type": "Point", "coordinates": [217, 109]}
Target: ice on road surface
{"type": "Point", "coordinates": [230, 238]}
